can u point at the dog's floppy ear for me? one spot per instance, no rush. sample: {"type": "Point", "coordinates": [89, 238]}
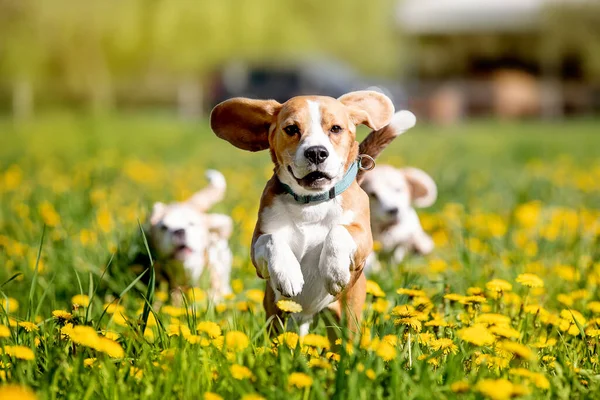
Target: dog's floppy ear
{"type": "Point", "coordinates": [220, 224]}
{"type": "Point", "coordinates": [244, 122]}
{"type": "Point", "coordinates": [423, 189]}
{"type": "Point", "coordinates": [369, 108]}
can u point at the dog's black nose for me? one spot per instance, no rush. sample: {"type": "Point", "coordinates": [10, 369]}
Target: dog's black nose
{"type": "Point", "coordinates": [179, 232]}
{"type": "Point", "coordinates": [316, 154]}
{"type": "Point", "coordinates": [393, 211]}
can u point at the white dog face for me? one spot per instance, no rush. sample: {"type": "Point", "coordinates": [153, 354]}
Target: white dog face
{"type": "Point", "coordinates": [393, 192]}
{"type": "Point", "coordinates": [177, 231]}
{"type": "Point", "coordinates": [184, 232]}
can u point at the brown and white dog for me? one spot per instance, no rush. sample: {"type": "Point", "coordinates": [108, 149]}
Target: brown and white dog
{"type": "Point", "coordinates": [185, 234]}
{"type": "Point", "coordinates": [313, 233]}
{"type": "Point", "coordinates": [393, 194]}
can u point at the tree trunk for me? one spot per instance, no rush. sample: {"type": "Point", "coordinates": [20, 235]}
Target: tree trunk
{"type": "Point", "coordinates": [190, 99]}
{"type": "Point", "coordinates": [22, 99]}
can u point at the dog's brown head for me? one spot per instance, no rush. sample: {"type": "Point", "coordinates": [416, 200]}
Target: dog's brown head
{"type": "Point", "coordinates": [312, 139]}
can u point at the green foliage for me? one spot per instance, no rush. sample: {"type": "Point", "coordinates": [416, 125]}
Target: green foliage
{"type": "Point", "coordinates": [514, 198]}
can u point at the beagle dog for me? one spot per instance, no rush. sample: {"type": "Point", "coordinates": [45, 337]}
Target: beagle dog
{"type": "Point", "coordinates": [393, 194]}
{"type": "Point", "coordinates": [313, 233]}
{"type": "Point", "coordinates": [183, 234]}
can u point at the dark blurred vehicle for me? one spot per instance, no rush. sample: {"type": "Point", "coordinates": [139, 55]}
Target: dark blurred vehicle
{"type": "Point", "coordinates": [284, 81]}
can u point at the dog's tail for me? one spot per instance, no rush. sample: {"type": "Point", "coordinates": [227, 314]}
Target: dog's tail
{"type": "Point", "coordinates": [378, 140]}
{"type": "Point", "coordinates": [211, 194]}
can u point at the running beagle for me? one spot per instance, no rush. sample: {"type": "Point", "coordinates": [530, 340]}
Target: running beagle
{"type": "Point", "coordinates": [313, 233]}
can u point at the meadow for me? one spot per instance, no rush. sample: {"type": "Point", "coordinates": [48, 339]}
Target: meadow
{"type": "Point", "coordinates": [507, 305]}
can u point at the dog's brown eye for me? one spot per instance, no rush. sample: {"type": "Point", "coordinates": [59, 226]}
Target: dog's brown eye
{"type": "Point", "coordinates": [336, 129]}
{"type": "Point", "coordinates": [163, 227]}
{"type": "Point", "coordinates": [292, 130]}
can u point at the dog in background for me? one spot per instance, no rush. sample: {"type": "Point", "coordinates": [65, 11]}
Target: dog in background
{"type": "Point", "coordinates": [187, 240]}
{"type": "Point", "coordinates": [313, 233]}
{"type": "Point", "coordinates": [393, 195]}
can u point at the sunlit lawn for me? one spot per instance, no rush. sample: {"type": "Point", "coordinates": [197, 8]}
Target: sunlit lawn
{"type": "Point", "coordinates": [515, 198]}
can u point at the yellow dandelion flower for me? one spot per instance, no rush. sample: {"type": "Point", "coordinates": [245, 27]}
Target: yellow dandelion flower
{"type": "Point", "coordinates": [212, 329]}
{"type": "Point", "coordinates": [110, 347]}
{"type": "Point", "coordinates": [438, 322]}
{"type": "Point", "coordinates": [83, 335]}
{"type": "Point", "coordinates": [544, 342]}
{"type": "Point", "coordinates": [290, 339]}
{"type": "Point", "coordinates": [252, 396]}
{"type": "Point", "coordinates": [517, 349]}
{"type": "Point", "coordinates": [473, 300]}
{"type": "Point", "coordinates": [594, 306]}
{"type": "Point", "coordinates": [530, 280]}
{"type": "Point", "coordinates": [493, 319]}
{"type": "Point", "coordinates": [255, 295]}
{"type": "Point", "coordinates": [319, 363]}
{"type": "Point", "coordinates": [498, 389]}
{"type": "Point", "coordinates": [591, 332]}
{"type": "Point", "coordinates": [114, 308]}
{"type": "Point", "coordinates": [446, 345]}
{"type": "Point", "coordinates": [88, 362]}
{"type": "Point", "coordinates": [498, 285]}
{"type": "Point", "coordinates": [221, 308]}
{"type": "Point", "coordinates": [49, 214]}
{"type": "Point", "coordinates": [20, 352]}
{"type": "Point", "coordinates": [16, 392]}
{"type": "Point", "coordinates": [315, 340]}
{"type": "Point", "coordinates": [174, 312]}
{"type": "Point", "coordinates": [452, 297]}
{"type": "Point", "coordinates": [374, 289]}
{"type": "Point", "coordinates": [62, 314]}
{"type": "Point", "coordinates": [135, 372]}
{"type": "Point", "coordinates": [196, 295]}
{"type": "Point", "coordinates": [505, 331]}
{"type": "Point", "coordinates": [411, 292]}
{"type": "Point", "coordinates": [4, 331]}
{"type": "Point", "coordinates": [411, 322]}
{"type": "Point", "coordinates": [28, 326]}
{"type": "Point", "coordinates": [299, 380]}
{"type": "Point", "coordinates": [236, 340]}
{"type": "Point", "coordinates": [371, 374]}
{"type": "Point", "coordinates": [332, 356]}
{"type": "Point", "coordinates": [178, 329]}
{"type": "Point", "coordinates": [289, 306]}
{"type": "Point", "coordinates": [572, 316]}
{"type": "Point", "coordinates": [386, 351]}
{"type": "Point", "coordinates": [10, 305]}
{"type": "Point", "coordinates": [475, 291]}
{"type": "Point", "coordinates": [212, 396]}
{"type": "Point", "coordinates": [81, 300]}
{"type": "Point", "coordinates": [477, 334]}
{"type": "Point", "coordinates": [538, 379]}
{"type": "Point", "coordinates": [380, 305]}
{"type": "Point", "coordinates": [460, 387]}
{"type": "Point", "coordinates": [240, 372]}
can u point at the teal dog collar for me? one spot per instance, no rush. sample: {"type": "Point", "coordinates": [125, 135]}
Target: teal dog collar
{"type": "Point", "coordinates": [338, 189]}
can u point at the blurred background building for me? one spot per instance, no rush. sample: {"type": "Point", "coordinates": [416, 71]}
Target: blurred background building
{"type": "Point", "coordinates": [446, 59]}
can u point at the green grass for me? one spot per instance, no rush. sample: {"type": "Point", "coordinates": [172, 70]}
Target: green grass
{"type": "Point", "coordinates": [513, 198]}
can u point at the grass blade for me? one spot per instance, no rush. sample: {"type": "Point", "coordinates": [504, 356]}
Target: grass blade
{"type": "Point", "coordinates": [151, 284]}
{"type": "Point", "coordinates": [35, 273]}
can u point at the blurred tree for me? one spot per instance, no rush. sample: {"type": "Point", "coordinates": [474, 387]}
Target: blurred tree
{"type": "Point", "coordinates": [97, 50]}
{"type": "Point", "coordinates": [22, 53]}
{"type": "Point", "coordinates": [572, 30]}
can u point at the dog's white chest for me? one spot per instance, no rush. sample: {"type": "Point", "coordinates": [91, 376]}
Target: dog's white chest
{"type": "Point", "coordinates": [304, 227]}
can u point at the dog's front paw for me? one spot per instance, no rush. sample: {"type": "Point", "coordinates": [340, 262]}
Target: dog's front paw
{"type": "Point", "coordinates": [337, 281]}
{"type": "Point", "coordinates": [288, 282]}
{"type": "Point", "coordinates": [276, 261]}
{"type": "Point", "coordinates": [337, 260]}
